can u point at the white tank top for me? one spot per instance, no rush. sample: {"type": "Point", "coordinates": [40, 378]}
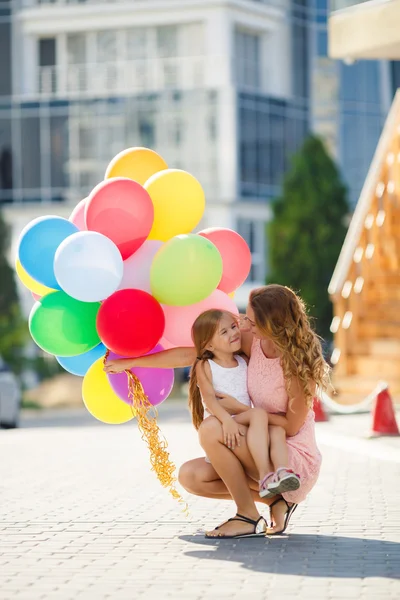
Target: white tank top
{"type": "Point", "coordinates": [232, 381]}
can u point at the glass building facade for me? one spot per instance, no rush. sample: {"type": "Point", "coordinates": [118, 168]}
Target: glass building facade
{"type": "Point", "coordinates": [350, 102]}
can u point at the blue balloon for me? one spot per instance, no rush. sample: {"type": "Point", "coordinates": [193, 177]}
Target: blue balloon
{"type": "Point", "coordinates": [37, 246]}
{"type": "Point", "coordinates": [79, 365]}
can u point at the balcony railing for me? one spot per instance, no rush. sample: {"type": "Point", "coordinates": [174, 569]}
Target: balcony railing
{"type": "Point", "coordinates": [281, 4]}
{"type": "Point", "coordinates": [182, 73]}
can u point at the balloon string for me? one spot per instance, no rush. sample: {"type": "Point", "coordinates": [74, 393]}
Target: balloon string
{"type": "Point", "coordinates": [157, 444]}
{"type": "Point", "coordinates": [151, 434]}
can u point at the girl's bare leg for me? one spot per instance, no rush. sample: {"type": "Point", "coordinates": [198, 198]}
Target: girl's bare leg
{"type": "Point", "coordinates": [257, 438]}
{"type": "Point", "coordinates": [278, 447]}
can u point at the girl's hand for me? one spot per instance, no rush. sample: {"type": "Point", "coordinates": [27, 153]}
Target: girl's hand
{"type": "Point", "coordinates": [232, 432]}
{"type": "Point", "coordinates": [118, 365]}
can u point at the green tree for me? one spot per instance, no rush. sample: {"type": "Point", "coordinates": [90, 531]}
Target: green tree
{"type": "Point", "coordinates": [13, 331]}
{"type": "Point", "coordinates": [307, 230]}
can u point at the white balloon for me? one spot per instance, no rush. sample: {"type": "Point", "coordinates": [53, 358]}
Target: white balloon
{"type": "Point", "coordinates": [88, 266]}
{"type": "Point", "coordinates": [137, 267]}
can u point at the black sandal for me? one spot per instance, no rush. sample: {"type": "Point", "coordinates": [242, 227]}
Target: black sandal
{"type": "Point", "coordinates": [260, 528]}
{"type": "Point", "coordinates": [288, 515]}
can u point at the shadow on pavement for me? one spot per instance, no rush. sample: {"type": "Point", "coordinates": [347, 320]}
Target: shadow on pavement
{"type": "Point", "coordinates": [308, 555]}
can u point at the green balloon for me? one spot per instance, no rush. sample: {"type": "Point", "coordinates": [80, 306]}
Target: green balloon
{"type": "Point", "coordinates": [64, 326]}
{"type": "Point", "coordinates": [186, 270]}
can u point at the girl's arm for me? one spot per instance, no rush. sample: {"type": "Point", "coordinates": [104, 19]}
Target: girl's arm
{"type": "Point", "coordinates": [296, 415]}
{"type": "Point", "coordinates": [204, 379]}
{"type": "Point", "coordinates": [231, 429]}
{"type": "Point", "coordinates": [167, 359]}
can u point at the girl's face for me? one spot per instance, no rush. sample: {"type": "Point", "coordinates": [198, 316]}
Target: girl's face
{"type": "Point", "coordinates": [227, 339]}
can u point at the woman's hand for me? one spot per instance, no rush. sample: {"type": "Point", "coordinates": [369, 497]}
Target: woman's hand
{"type": "Point", "coordinates": [118, 365]}
{"type": "Point", "coordinates": [232, 432]}
{"type": "Point", "coordinates": [230, 404]}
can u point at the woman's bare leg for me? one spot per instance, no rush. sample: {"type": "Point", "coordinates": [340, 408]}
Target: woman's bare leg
{"type": "Point", "coordinates": [201, 479]}
{"type": "Point", "coordinates": [231, 469]}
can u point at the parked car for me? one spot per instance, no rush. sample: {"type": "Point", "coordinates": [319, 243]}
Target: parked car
{"type": "Point", "coordinates": [10, 398]}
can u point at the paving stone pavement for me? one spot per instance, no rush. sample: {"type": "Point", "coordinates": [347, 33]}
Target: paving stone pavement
{"type": "Point", "coordinates": [83, 517]}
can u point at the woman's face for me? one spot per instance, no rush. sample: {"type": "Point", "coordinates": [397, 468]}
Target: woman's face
{"type": "Point", "coordinates": [250, 323]}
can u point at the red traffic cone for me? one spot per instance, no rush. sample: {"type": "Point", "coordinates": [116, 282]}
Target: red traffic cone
{"type": "Point", "coordinates": [319, 413]}
{"type": "Point", "coordinates": [384, 418]}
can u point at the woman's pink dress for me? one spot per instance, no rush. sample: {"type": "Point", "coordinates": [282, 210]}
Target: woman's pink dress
{"type": "Point", "coordinates": [267, 390]}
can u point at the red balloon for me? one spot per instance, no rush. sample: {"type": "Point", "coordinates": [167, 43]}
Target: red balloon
{"type": "Point", "coordinates": [122, 210]}
{"type": "Point", "coordinates": [236, 256]}
{"type": "Point", "coordinates": [130, 322]}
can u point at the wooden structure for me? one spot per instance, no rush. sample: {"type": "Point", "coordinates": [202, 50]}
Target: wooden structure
{"type": "Point", "coordinates": [365, 286]}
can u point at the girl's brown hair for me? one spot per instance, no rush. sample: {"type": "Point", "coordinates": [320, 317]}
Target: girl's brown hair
{"type": "Point", "coordinates": [203, 330]}
{"type": "Point", "coordinates": [281, 316]}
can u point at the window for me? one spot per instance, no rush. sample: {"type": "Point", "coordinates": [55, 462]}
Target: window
{"type": "Point", "coordinates": [106, 46]}
{"type": "Point", "coordinates": [137, 42]}
{"type": "Point", "coordinates": [247, 52]}
{"type": "Point", "coordinates": [5, 58]}
{"type": "Point", "coordinates": [47, 52]}
{"type": "Point", "coordinates": [167, 41]}
{"type": "Point", "coordinates": [147, 131]}
{"type": "Point", "coordinates": [270, 132]}
{"type": "Point", "coordinates": [76, 49]}
{"type": "Point", "coordinates": [31, 155]}
{"type": "Point", "coordinates": [254, 234]}
{"type": "Point", "coordinates": [6, 174]}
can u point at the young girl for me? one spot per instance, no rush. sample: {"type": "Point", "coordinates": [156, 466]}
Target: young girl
{"type": "Point", "coordinates": [219, 372]}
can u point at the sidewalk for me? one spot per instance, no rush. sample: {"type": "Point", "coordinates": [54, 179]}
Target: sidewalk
{"type": "Point", "coordinates": [82, 516]}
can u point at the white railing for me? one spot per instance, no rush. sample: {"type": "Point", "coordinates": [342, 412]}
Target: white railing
{"type": "Point", "coordinates": [181, 73]}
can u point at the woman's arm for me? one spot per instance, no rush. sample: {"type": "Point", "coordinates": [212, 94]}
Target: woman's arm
{"type": "Point", "coordinates": [230, 404]}
{"type": "Point", "coordinates": [295, 417]}
{"type": "Point", "coordinates": [168, 359]}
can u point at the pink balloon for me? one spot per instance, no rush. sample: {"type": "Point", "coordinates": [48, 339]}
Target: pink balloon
{"type": "Point", "coordinates": [35, 296]}
{"type": "Point", "coordinates": [137, 267]}
{"type": "Point", "coordinates": [77, 217]}
{"type": "Point", "coordinates": [179, 319]}
{"type": "Point", "coordinates": [167, 344]}
{"type": "Point", "coordinates": [236, 256]}
{"type": "Point", "coordinates": [122, 210]}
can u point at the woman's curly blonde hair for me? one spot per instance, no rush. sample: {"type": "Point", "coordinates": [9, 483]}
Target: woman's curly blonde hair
{"type": "Point", "coordinates": [281, 316]}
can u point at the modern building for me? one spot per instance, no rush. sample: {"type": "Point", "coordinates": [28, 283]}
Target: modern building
{"type": "Point", "coordinates": [217, 87]}
{"type": "Point", "coordinates": [226, 89]}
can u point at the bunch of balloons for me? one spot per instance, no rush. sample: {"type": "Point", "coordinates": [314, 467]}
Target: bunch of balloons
{"type": "Point", "coordinates": [126, 274]}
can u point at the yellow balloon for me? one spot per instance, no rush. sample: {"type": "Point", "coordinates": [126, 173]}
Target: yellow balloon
{"type": "Point", "coordinates": [179, 203]}
{"type": "Point", "coordinates": [101, 400]}
{"type": "Point", "coordinates": [34, 286]}
{"type": "Point", "coordinates": [138, 164]}
{"type": "Point", "coordinates": [232, 295]}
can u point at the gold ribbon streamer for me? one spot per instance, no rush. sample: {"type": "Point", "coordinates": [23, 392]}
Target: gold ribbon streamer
{"type": "Point", "coordinates": [146, 415]}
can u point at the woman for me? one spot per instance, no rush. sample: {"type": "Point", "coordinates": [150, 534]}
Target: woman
{"type": "Point", "coordinates": [285, 366]}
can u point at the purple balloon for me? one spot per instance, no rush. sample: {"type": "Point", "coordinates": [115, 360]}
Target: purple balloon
{"type": "Point", "coordinates": [157, 383]}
